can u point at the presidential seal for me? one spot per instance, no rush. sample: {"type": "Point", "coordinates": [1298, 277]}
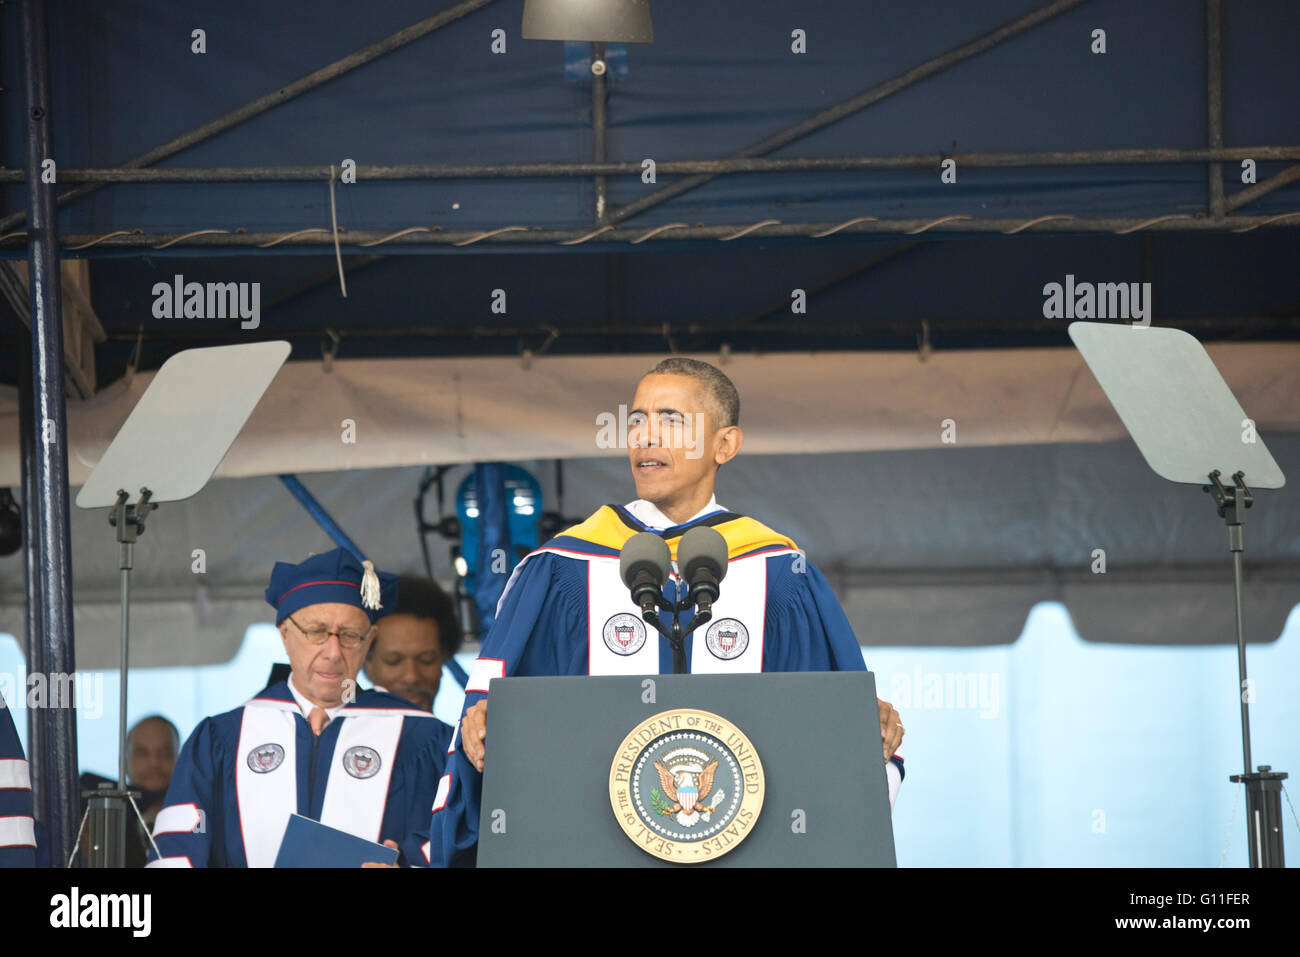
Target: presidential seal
{"type": "Point", "coordinates": [686, 786]}
{"type": "Point", "coordinates": [727, 638]}
{"type": "Point", "coordinates": [361, 762]}
{"type": "Point", "coordinates": [265, 758]}
{"type": "Point", "coordinates": [624, 634]}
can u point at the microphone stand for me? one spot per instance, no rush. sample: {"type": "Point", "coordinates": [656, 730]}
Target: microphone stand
{"type": "Point", "coordinates": [676, 635]}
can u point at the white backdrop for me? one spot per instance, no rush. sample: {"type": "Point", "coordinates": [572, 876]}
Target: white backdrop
{"type": "Point", "coordinates": [416, 411]}
{"type": "Point", "coordinates": [925, 544]}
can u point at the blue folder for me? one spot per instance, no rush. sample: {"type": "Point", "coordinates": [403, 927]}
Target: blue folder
{"type": "Point", "coordinates": [309, 843]}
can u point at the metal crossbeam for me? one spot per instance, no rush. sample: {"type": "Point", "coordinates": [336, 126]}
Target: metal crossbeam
{"type": "Point", "coordinates": [717, 167]}
{"type": "Point", "coordinates": [1263, 187]}
{"type": "Point", "coordinates": [1214, 101]}
{"type": "Point", "coordinates": [854, 104]}
{"type": "Point", "coordinates": [1288, 326]}
{"type": "Point", "coordinates": [271, 100]}
{"type": "Point", "coordinates": [827, 281]}
{"type": "Point", "coordinates": [81, 327]}
{"type": "Point", "coordinates": [369, 239]}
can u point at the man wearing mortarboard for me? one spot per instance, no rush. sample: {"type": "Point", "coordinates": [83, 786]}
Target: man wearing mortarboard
{"type": "Point", "coordinates": [366, 763]}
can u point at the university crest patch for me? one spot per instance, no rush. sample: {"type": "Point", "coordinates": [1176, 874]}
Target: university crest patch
{"type": "Point", "coordinates": [265, 758]}
{"type": "Point", "coordinates": [727, 638]}
{"type": "Point", "coordinates": [624, 634]}
{"type": "Point", "coordinates": [361, 762]}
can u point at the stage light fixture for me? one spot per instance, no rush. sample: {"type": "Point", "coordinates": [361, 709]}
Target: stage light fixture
{"type": "Point", "coordinates": [614, 21]}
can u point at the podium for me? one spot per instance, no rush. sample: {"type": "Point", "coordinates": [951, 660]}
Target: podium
{"type": "Point", "coordinates": [763, 770]}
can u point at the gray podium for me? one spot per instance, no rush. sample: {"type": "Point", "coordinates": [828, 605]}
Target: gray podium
{"type": "Point", "coordinates": [560, 760]}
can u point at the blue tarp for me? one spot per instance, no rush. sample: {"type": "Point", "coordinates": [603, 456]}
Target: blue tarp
{"type": "Point", "coordinates": [718, 77]}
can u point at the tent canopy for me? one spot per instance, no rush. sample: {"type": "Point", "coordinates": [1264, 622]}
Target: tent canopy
{"type": "Point", "coordinates": [1012, 78]}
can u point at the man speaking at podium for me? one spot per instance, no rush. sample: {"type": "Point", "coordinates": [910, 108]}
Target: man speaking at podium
{"type": "Point", "coordinates": [566, 611]}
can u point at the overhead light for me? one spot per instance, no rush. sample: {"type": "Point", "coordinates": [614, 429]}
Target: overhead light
{"type": "Point", "coordinates": [613, 21]}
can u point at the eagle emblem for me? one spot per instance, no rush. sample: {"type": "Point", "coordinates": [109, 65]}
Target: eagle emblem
{"type": "Point", "coordinates": [687, 783]}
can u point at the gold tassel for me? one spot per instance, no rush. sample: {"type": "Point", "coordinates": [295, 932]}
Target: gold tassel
{"type": "Point", "coordinates": [370, 586]}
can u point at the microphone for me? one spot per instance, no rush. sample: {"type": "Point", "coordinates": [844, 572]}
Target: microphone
{"type": "Point", "coordinates": [702, 560]}
{"type": "Point", "coordinates": [644, 563]}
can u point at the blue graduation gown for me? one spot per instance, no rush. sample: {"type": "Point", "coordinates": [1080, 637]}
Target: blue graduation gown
{"type": "Point", "coordinates": [17, 829]}
{"type": "Point", "coordinates": [205, 777]}
{"type": "Point", "coordinates": [541, 628]}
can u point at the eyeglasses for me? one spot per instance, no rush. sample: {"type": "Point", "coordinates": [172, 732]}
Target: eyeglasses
{"type": "Point", "coordinates": [348, 637]}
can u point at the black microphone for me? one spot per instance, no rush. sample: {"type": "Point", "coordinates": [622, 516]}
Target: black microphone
{"type": "Point", "coordinates": [702, 561]}
{"type": "Point", "coordinates": [644, 564]}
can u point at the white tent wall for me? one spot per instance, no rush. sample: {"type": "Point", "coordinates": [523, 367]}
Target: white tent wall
{"type": "Point", "coordinates": [924, 543]}
{"type": "Point", "coordinates": [945, 546]}
{"type": "Point", "coordinates": [417, 411]}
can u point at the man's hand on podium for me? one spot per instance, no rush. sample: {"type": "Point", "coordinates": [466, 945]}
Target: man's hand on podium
{"type": "Point", "coordinates": [891, 728]}
{"type": "Point", "coordinates": [473, 731]}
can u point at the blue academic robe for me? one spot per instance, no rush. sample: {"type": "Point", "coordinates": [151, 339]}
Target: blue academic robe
{"type": "Point", "coordinates": [17, 829]}
{"type": "Point", "coordinates": [542, 628]}
{"type": "Point", "coordinates": [208, 821]}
